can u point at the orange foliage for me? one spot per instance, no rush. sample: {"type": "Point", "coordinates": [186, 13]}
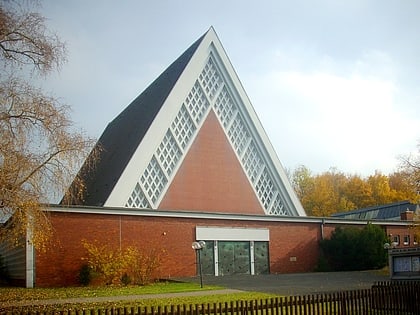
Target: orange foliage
{"type": "Point", "coordinates": [333, 191]}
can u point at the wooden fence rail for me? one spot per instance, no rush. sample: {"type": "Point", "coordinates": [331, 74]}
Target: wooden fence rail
{"type": "Point", "coordinates": [383, 298]}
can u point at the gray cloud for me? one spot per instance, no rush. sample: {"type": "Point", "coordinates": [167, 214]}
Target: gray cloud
{"type": "Point", "coordinates": [117, 48]}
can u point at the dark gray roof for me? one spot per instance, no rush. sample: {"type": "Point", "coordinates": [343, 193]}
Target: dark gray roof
{"type": "Point", "coordinates": [390, 211]}
{"type": "Point", "coordinates": [123, 135]}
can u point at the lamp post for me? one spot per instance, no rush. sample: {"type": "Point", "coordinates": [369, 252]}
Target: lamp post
{"type": "Point", "coordinates": [198, 246]}
{"type": "Point", "coordinates": [389, 247]}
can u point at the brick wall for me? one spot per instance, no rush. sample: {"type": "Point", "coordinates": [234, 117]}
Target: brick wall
{"type": "Point", "coordinates": [60, 264]}
{"type": "Point", "coordinates": [293, 246]}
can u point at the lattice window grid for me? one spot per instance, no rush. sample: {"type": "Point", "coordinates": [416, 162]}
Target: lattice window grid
{"type": "Point", "coordinates": [183, 127]}
{"type": "Point", "coordinates": [137, 199]}
{"type": "Point", "coordinates": [265, 189]}
{"type": "Point", "coordinates": [225, 107]}
{"type": "Point", "coordinates": [153, 180]}
{"type": "Point", "coordinates": [168, 153]}
{"type": "Point", "coordinates": [210, 79]}
{"type": "Point", "coordinates": [277, 208]}
{"type": "Point", "coordinates": [238, 135]}
{"type": "Point", "coordinates": [197, 103]}
{"type": "Point", "coordinates": [252, 162]}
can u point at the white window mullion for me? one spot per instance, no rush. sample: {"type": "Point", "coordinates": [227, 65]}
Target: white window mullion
{"type": "Point", "coordinates": [257, 178]}
{"type": "Point", "coordinates": [216, 258]}
{"type": "Point", "coordinates": [252, 257]}
{"type": "Point", "coordinates": [272, 201]}
{"type": "Point", "coordinates": [245, 148]}
{"type": "Point", "coordinates": [229, 125]}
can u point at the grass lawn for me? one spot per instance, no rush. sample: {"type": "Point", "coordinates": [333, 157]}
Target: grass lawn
{"type": "Point", "coordinates": [23, 294]}
{"type": "Point", "coordinates": [10, 295]}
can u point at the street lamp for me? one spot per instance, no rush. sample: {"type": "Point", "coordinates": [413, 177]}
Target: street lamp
{"type": "Point", "coordinates": [390, 246]}
{"type": "Point", "coordinates": [198, 246]}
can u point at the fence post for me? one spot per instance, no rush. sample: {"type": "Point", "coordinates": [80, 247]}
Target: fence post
{"type": "Point", "coordinates": [281, 306]}
{"type": "Point", "coordinates": [342, 297]}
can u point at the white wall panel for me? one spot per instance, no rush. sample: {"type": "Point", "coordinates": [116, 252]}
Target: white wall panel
{"type": "Point", "coordinates": [231, 234]}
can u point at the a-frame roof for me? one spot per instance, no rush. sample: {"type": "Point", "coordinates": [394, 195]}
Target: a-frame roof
{"type": "Point", "coordinates": [120, 140]}
{"type": "Point", "coordinates": [144, 147]}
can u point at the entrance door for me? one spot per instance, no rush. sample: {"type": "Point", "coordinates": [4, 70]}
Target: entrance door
{"type": "Point", "coordinates": [261, 261]}
{"type": "Point", "coordinates": [234, 258]}
{"type": "Point", "coordinates": [207, 258]}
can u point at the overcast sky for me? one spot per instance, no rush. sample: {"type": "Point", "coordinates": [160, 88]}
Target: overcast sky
{"type": "Point", "coordinates": [334, 83]}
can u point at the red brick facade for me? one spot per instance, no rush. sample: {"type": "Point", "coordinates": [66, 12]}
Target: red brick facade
{"type": "Point", "coordinates": [211, 177]}
{"type": "Point", "coordinates": [293, 246]}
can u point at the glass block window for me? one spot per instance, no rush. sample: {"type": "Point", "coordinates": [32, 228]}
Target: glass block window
{"type": "Point", "coordinates": [153, 180]}
{"type": "Point", "coordinates": [239, 134]}
{"type": "Point", "coordinates": [183, 127]}
{"type": "Point", "coordinates": [137, 198]}
{"type": "Point", "coordinates": [210, 79]}
{"type": "Point", "coordinates": [265, 189]}
{"type": "Point", "coordinates": [168, 153]}
{"type": "Point", "coordinates": [197, 103]}
{"type": "Point", "coordinates": [278, 207]}
{"type": "Point", "coordinates": [224, 107]}
{"type": "Point", "coordinates": [252, 161]}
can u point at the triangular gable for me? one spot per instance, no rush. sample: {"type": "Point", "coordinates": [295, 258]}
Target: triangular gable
{"type": "Point", "coordinates": [206, 83]}
{"type": "Point", "coordinates": [211, 178]}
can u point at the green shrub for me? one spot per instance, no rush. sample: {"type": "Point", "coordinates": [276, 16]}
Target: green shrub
{"type": "Point", "coordinates": [355, 249]}
{"type": "Point", "coordinates": [85, 275]}
{"type": "Point", "coordinates": [116, 266]}
{"type": "Point", "coordinates": [125, 279]}
{"type": "Point", "coordinates": [322, 265]}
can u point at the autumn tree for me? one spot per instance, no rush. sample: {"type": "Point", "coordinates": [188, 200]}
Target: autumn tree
{"type": "Point", "coordinates": [320, 195]}
{"type": "Point", "coordinates": [323, 198]}
{"type": "Point", "coordinates": [358, 192]}
{"type": "Point", "coordinates": [39, 148]}
{"type": "Point", "coordinates": [303, 183]}
{"type": "Point", "coordinates": [409, 176]}
{"type": "Point", "coordinates": [333, 191]}
{"type": "Point", "coordinates": [382, 192]}
{"type": "Point", "coordinates": [405, 189]}
{"type": "Point", "coordinates": [409, 170]}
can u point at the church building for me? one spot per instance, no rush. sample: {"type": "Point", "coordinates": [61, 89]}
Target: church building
{"type": "Point", "coordinates": [188, 160]}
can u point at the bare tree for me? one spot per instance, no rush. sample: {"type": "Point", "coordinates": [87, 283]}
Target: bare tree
{"type": "Point", "coordinates": [40, 151]}
{"type": "Point", "coordinates": [26, 41]}
{"type": "Point", "coordinates": [410, 167]}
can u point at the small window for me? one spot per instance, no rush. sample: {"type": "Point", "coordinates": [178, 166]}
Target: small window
{"type": "Point", "coordinates": [396, 240]}
{"type": "Point", "coordinates": [415, 240]}
{"type": "Point", "coordinates": [406, 239]}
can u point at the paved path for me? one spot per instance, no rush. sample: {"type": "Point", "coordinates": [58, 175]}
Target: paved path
{"type": "Point", "coordinates": [298, 283]}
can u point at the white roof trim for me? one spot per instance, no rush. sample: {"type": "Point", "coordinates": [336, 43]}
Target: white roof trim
{"type": "Point", "coordinates": [216, 216]}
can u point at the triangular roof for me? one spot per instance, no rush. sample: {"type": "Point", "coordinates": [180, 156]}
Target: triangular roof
{"type": "Point", "coordinates": [145, 146]}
